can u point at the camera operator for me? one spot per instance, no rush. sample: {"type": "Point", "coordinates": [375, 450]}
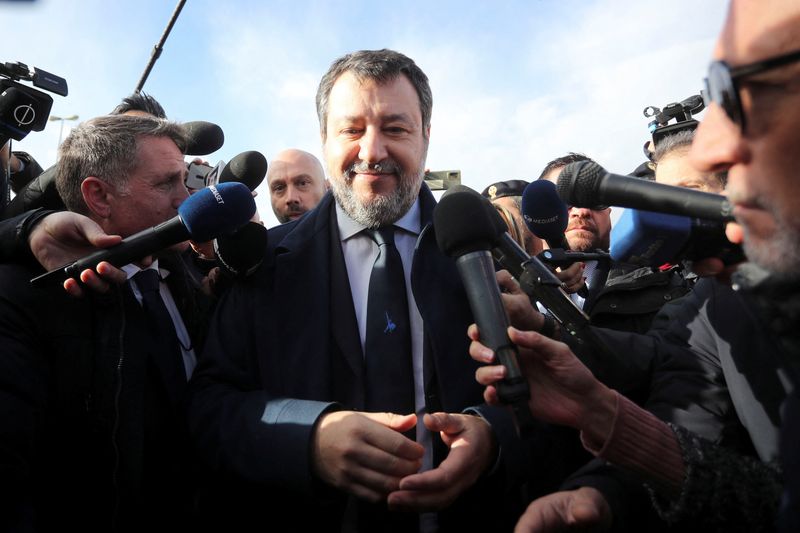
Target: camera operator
{"type": "Point", "coordinates": [19, 167]}
{"type": "Point", "coordinates": [673, 167]}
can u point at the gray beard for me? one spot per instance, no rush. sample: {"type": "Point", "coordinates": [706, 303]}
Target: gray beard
{"type": "Point", "coordinates": [383, 210]}
{"type": "Point", "coordinates": [779, 255]}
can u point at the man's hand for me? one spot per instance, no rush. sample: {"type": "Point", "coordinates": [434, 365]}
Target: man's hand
{"type": "Point", "coordinates": [63, 237]}
{"type": "Point", "coordinates": [563, 390]}
{"type": "Point", "coordinates": [472, 450]}
{"type": "Point", "coordinates": [521, 312]}
{"type": "Point", "coordinates": [572, 278]}
{"type": "Point", "coordinates": [583, 509]}
{"type": "Point", "coordinates": [715, 267]}
{"type": "Point", "coordinates": [365, 454]}
{"type": "Point", "coordinates": [6, 156]}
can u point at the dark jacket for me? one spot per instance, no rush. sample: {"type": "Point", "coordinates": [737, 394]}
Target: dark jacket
{"type": "Point", "coordinates": [90, 438]}
{"type": "Point", "coordinates": [719, 372]}
{"type": "Point", "coordinates": [632, 296]}
{"type": "Point", "coordinates": [284, 348]}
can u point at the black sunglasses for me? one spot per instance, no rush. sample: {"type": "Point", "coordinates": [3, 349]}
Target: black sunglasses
{"type": "Point", "coordinates": [721, 83]}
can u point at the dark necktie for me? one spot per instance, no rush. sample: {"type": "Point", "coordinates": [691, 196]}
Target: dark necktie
{"type": "Point", "coordinates": [387, 350]}
{"type": "Point", "coordinates": [169, 359]}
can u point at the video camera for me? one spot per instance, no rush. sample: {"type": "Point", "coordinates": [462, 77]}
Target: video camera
{"type": "Point", "coordinates": [201, 175]}
{"type": "Point", "coordinates": [24, 109]}
{"type": "Point", "coordinates": [682, 112]}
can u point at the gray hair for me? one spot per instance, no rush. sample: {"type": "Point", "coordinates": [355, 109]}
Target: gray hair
{"type": "Point", "coordinates": [380, 66]}
{"type": "Point", "coordinates": [682, 140]}
{"type": "Point", "coordinates": [106, 147]}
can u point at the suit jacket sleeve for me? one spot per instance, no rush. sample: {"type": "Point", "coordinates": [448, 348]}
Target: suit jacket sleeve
{"type": "Point", "coordinates": [237, 425]}
{"type": "Point", "coordinates": [23, 397]}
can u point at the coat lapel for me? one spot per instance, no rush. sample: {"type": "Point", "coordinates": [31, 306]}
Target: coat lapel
{"type": "Point", "coordinates": [317, 318]}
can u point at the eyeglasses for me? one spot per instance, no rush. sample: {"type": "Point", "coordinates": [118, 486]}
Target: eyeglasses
{"type": "Point", "coordinates": [722, 88]}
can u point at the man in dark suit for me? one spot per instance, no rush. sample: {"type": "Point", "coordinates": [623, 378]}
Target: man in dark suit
{"type": "Point", "coordinates": [92, 391]}
{"type": "Point", "coordinates": [291, 396]}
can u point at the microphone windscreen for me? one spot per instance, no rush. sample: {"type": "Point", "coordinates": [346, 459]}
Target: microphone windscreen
{"type": "Point", "coordinates": [647, 238]}
{"type": "Point", "coordinates": [579, 182]}
{"type": "Point", "coordinates": [217, 210]}
{"type": "Point", "coordinates": [463, 222]}
{"type": "Point", "coordinates": [544, 212]}
{"type": "Point", "coordinates": [204, 137]}
{"type": "Point", "coordinates": [248, 167]}
{"type": "Point", "coordinates": [241, 252]}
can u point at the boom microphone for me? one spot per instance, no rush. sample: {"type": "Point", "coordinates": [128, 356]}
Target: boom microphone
{"type": "Point", "coordinates": [208, 213]}
{"type": "Point", "coordinates": [545, 214]}
{"type": "Point", "coordinates": [654, 239]}
{"type": "Point", "coordinates": [587, 184]}
{"type": "Point", "coordinates": [248, 167]}
{"type": "Point", "coordinates": [204, 137]}
{"type": "Point", "coordinates": [465, 232]}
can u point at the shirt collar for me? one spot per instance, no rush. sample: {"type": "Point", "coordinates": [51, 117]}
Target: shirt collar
{"type": "Point", "coordinates": [131, 269]}
{"type": "Point", "coordinates": [410, 222]}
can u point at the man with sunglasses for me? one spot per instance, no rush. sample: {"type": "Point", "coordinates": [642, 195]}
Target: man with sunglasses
{"type": "Point", "coordinates": [750, 130]}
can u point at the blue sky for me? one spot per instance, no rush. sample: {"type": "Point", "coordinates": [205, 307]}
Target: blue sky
{"type": "Point", "coordinates": [515, 83]}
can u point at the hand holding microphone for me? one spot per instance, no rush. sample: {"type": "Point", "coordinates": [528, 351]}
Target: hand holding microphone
{"type": "Point", "coordinates": [209, 213]}
{"type": "Point", "coordinates": [465, 232]}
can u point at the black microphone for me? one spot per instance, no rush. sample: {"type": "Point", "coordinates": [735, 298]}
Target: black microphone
{"type": "Point", "coordinates": [465, 232]}
{"type": "Point", "coordinates": [248, 167]}
{"type": "Point", "coordinates": [204, 137]}
{"type": "Point", "coordinates": [556, 257]}
{"type": "Point", "coordinates": [587, 184]}
{"type": "Point", "coordinates": [208, 213]}
{"type": "Point", "coordinates": [536, 279]}
{"type": "Point", "coordinates": [545, 214]}
{"type": "Point", "coordinates": [241, 252]}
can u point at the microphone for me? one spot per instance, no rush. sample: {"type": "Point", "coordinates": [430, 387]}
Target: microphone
{"type": "Point", "coordinates": [204, 137]}
{"type": "Point", "coordinates": [548, 217]}
{"type": "Point", "coordinates": [208, 213]}
{"type": "Point", "coordinates": [545, 214]}
{"type": "Point", "coordinates": [248, 167]}
{"type": "Point", "coordinates": [537, 280]}
{"type": "Point", "coordinates": [563, 258]}
{"type": "Point", "coordinates": [587, 184]}
{"type": "Point", "coordinates": [241, 252]}
{"type": "Point", "coordinates": [654, 239]}
{"type": "Point", "coordinates": [466, 232]}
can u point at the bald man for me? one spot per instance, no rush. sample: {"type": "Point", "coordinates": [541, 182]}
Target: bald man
{"type": "Point", "coordinates": [296, 183]}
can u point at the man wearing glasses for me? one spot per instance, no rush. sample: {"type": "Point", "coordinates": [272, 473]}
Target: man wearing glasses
{"type": "Point", "coordinates": [751, 131]}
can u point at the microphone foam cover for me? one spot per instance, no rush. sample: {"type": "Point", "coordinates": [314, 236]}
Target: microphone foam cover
{"type": "Point", "coordinates": [544, 212]}
{"type": "Point", "coordinates": [248, 167]}
{"type": "Point", "coordinates": [241, 252]}
{"type": "Point", "coordinates": [217, 210]}
{"type": "Point", "coordinates": [463, 222]}
{"type": "Point", "coordinates": [204, 137]}
{"type": "Point", "coordinates": [579, 182]}
{"type": "Point", "coordinates": [649, 239]}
